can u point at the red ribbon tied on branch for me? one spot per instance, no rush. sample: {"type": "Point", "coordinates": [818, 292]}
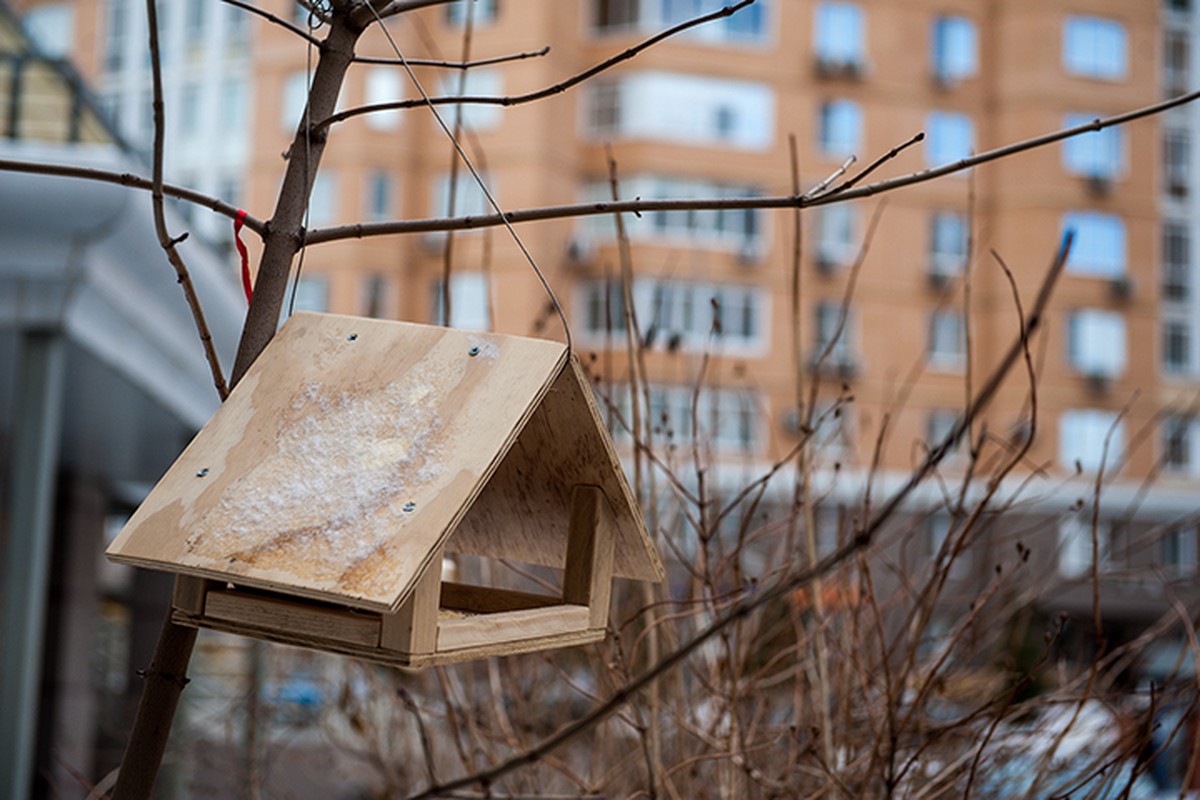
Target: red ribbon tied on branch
{"type": "Point", "coordinates": [238, 222]}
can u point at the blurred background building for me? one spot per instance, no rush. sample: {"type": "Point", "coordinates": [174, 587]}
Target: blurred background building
{"type": "Point", "coordinates": [720, 112]}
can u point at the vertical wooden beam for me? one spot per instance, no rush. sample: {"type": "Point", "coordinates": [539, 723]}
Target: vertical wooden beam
{"type": "Point", "coordinates": [189, 594]}
{"type": "Point", "coordinates": [591, 537]}
{"type": "Point", "coordinates": [413, 629]}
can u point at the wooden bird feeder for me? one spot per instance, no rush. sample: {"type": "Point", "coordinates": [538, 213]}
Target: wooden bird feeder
{"type": "Point", "coordinates": [315, 507]}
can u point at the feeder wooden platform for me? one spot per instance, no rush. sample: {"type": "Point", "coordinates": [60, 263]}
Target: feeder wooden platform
{"type": "Point", "coordinates": [316, 505]}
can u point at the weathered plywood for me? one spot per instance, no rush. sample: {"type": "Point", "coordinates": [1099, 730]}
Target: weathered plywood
{"type": "Point", "coordinates": [587, 578]}
{"type": "Point", "coordinates": [564, 444]}
{"type": "Point", "coordinates": [413, 629]}
{"type": "Point", "coordinates": [343, 459]}
{"type": "Point", "coordinates": [253, 612]}
{"type": "Point", "coordinates": [487, 599]}
{"type": "Point", "coordinates": [480, 630]}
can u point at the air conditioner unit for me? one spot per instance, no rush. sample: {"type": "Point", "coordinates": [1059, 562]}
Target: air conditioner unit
{"type": "Point", "coordinates": [581, 250]}
{"type": "Point", "coordinates": [1099, 185]}
{"type": "Point", "coordinates": [838, 68]}
{"type": "Point", "coordinates": [748, 255]}
{"type": "Point", "coordinates": [1121, 287]}
{"type": "Point", "coordinates": [825, 262]}
{"type": "Point", "coordinates": [433, 242]}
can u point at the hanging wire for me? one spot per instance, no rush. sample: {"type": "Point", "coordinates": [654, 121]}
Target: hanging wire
{"type": "Point", "coordinates": [318, 11]}
{"type": "Point", "coordinates": [458, 148]}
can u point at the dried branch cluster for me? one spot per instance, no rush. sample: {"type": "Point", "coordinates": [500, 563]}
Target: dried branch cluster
{"type": "Point", "coordinates": [801, 648]}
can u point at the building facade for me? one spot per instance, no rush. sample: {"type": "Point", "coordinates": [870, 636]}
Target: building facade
{"type": "Point", "coordinates": [732, 299]}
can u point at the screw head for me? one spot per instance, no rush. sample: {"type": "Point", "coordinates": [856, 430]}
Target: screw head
{"type": "Point", "coordinates": [474, 351]}
{"type": "Point", "coordinates": [200, 473]}
{"type": "Point", "coordinates": [352, 337]}
{"type": "Point", "coordinates": [410, 506]}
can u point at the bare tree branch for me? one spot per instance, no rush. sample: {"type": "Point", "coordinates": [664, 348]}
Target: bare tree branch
{"type": "Point", "coordinates": [274, 20]}
{"type": "Point", "coordinates": [540, 94]}
{"type": "Point", "coordinates": [363, 230]}
{"type": "Point", "coordinates": [131, 181]}
{"type": "Point", "coordinates": [789, 583]}
{"type": "Point", "coordinates": [429, 62]}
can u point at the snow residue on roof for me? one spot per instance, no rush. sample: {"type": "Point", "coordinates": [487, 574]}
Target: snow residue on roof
{"type": "Point", "coordinates": [332, 494]}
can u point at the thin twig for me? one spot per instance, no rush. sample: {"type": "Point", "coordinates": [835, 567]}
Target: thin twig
{"type": "Point", "coordinates": [540, 94]}
{"type": "Point", "coordinates": [597, 208]}
{"type": "Point", "coordinates": [165, 239]}
{"type": "Point", "coordinates": [460, 65]}
{"type": "Point", "coordinates": [274, 20]}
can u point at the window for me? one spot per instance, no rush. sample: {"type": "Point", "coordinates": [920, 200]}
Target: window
{"type": "Point", "coordinates": [311, 294]}
{"type": "Point", "coordinates": [938, 426]}
{"type": "Point", "coordinates": [322, 203]}
{"type": "Point", "coordinates": [52, 28]}
{"type": "Point", "coordinates": [1096, 154]}
{"type": "Point", "coordinates": [1177, 346]}
{"type": "Point", "coordinates": [295, 98]}
{"type": "Point", "coordinates": [234, 105]}
{"type": "Point", "coordinates": [115, 34]}
{"type": "Point", "coordinates": [948, 243]}
{"type": "Point", "coordinates": [1076, 550]}
{"type": "Point", "coordinates": [469, 302]}
{"type": "Point", "coordinates": [237, 27]}
{"type": "Point", "coordinates": [949, 137]}
{"type": "Point", "coordinates": [954, 56]}
{"type": "Point", "coordinates": [189, 111]}
{"type": "Point", "coordinates": [1178, 549]}
{"type": "Point", "coordinates": [1099, 245]}
{"type": "Point", "coordinates": [1094, 47]}
{"type": "Point", "coordinates": [477, 83]}
{"type": "Point", "coordinates": [383, 85]}
{"type": "Point", "coordinates": [838, 36]}
{"type": "Point", "coordinates": [376, 297]}
{"type": "Point", "coordinates": [1096, 342]}
{"type": "Point", "coordinates": [1177, 273]}
{"type": "Point", "coordinates": [840, 132]}
{"type": "Point", "coordinates": [1082, 434]}
{"type": "Point", "coordinates": [732, 229]}
{"type": "Point", "coordinates": [1176, 155]}
{"type": "Point", "coordinates": [1177, 63]}
{"type": "Point", "coordinates": [379, 196]}
{"type": "Point", "coordinates": [835, 240]}
{"type": "Point", "coordinates": [688, 109]}
{"type": "Point", "coordinates": [747, 25]}
{"type": "Point", "coordinates": [194, 21]}
{"type": "Point", "coordinates": [1179, 444]}
{"type": "Point", "coordinates": [679, 315]}
{"type": "Point", "coordinates": [827, 318]}
{"type": "Point", "coordinates": [939, 528]}
{"type": "Point", "coordinates": [481, 11]}
{"type": "Point", "coordinates": [469, 199]}
{"type": "Point", "coordinates": [724, 419]}
{"type": "Point", "coordinates": [947, 340]}
{"type": "Point", "coordinates": [1179, 6]}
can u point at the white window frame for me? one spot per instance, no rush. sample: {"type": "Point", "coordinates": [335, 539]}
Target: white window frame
{"type": "Point", "coordinates": [949, 137]}
{"type": "Point", "coordinates": [484, 12]}
{"type": "Point", "coordinates": [1096, 342]}
{"type": "Point", "coordinates": [470, 306]}
{"type": "Point", "coordinates": [947, 340]}
{"type": "Point", "coordinates": [839, 128]}
{"type": "Point", "coordinates": [1095, 154]}
{"type": "Point", "coordinates": [839, 34]}
{"type": "Point", "coordinates": [837, 235]}
{"type": "Point", "coordinates": [681, 315]}
{"type": "Point", "coordinates": [478, 83]}
{"type": "Point", "coordinates": [1099, 246]}
{"type": "Point", "coordinates": [1075, 552]}
{"type": "Point", "coordinates": [1082, 433]}
{"type": "Point", "coordinates": [948, 243]}
{"type": "Point", "coordinates": [1095, 47]}
{"type": "Point", "coordinates": [954, 49]}
{"type": "Point", "coordinates": [383, 85]}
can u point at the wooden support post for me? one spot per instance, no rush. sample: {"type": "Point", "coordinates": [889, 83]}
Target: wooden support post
{"type": "Point", "coordinates": [188, 595]}
{"type": "Point", "coordinates": [413, 629]}
{"type": "Point", "coordinates": [587, 579]}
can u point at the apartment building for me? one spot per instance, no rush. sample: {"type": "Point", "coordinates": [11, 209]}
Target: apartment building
{"type": "Point", "coordinates": [713, 113]}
